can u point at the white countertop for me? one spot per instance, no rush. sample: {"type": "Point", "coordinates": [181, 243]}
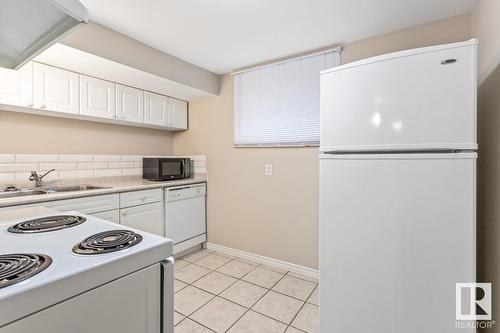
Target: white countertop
{"type": "Point", "coordinates": [116, 186]}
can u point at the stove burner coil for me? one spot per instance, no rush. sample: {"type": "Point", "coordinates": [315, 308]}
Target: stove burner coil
{"type": "Point", "coordinates": [15, 268]}
{"type": "Point", "coordinates": [46, 224]}
{"type": "Point", "coordinates": [108, 241]}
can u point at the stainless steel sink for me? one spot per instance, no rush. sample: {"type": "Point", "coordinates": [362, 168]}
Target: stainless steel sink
{"type": "Point", "coordinates": [85, 187]}
{"type": "Point", "coordinates": [26, 192]}
{"type": "Point", "coordinates": [23, 193]}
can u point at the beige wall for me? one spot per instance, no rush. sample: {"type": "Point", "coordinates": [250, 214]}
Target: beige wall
{"type": "Point", "coordinates": [25, 133]}
{"type": "Point", "coordinates": [277, 216]}
{"type": "Point", "coordinates": [485, 27]}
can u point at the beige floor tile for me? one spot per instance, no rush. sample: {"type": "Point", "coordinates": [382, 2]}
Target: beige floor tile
{"type": "Point", "coordinates": [250, 262]}
{"type": "Point", "coordinates": [271, 268]}
{"type": "Point", "coordinates": [213, 261]}
{"type": "Point", "coordinates": [244, 293]}
{"type": "Point", "coordinates": [189, 326]}
{"type": "Point", "coordinates": [178, 318]}
{"type": "Point", "coordinates": [253, 322]}
{"type": "Point", "coordinates": [303, 277]}
{"type": "Point", "coordinates": [236, 268]}
{"type": "Point", "coordinates": [278, 306]}
{"type": "Point", "coordinates": [291, 329]}
{"type": "Point", "coordinates": [294, 287]}
{"type": "Point", "coordinates": [195, 256]}
{"type": "Point", "coordinates": [225, 255]}
{"type": "Point", "coordinates": [179, 263]}
{"type": "Point", "coordinates": [215, 282]}
{"type": "Point", "coordinates": [314, 298]}
{"type": "Point", "coordinates": [263, 277]}
{"type": "Point", "coordinates": [190, 299]}
{"type": "Point", "coordinates": [178, 285]}
{"type": "Point", "coordinates": [307, 319]}
{"type": "Point", "coordinates": [191, 273]}
{"type": "Point", "coordinates": [218, 314]}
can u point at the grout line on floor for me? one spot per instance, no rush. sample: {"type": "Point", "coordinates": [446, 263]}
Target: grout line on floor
{"type": "Point", "coordinates": [241, 279]}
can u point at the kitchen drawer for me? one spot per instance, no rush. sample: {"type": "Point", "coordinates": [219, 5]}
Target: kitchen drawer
{"type": "Point", "coordinates": [110, 216]}
{"type": "Point", "coordinates": [87, 205]}
{"type": "Point", "coordinates": [136, 198]}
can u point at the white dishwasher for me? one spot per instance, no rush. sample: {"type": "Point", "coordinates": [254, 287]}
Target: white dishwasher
{"type": "Point", "coordinates": [185, 221]}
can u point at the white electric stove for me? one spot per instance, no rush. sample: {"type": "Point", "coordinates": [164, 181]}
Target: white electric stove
{"type": "Point", "coordinates": [72, 272]}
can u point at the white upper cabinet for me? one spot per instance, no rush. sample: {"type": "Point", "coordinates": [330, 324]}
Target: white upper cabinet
{"type": "Point", "coordinates": [55, 89]}
{"type": "Point", "coordinates": [177, 113]}
{"type": "Point", "coordinates": [129, 104]}
{"type": "Point", "coordinates": [62, 93]}
{"type": "Point", "coordinates": [16, 87]}
{"type": "Point", "coordinates": [155, 109]}
{"type": "Point", "coordinates": [97, 97]}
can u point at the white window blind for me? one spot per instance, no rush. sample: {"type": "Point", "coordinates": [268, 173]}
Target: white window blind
{"type": "Point", "coordinates": [279, 104]}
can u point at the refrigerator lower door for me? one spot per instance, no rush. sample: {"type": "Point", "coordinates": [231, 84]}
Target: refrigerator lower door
{"type": "Point", "coordinates": [397, 232]}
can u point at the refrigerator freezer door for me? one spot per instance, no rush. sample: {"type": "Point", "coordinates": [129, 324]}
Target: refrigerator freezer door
{"type": "Point", "coordinates": [397, 232]}
{"type": "Point", "coordinates": [411, 100]}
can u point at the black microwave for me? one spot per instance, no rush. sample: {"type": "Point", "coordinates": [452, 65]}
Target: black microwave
{"type": "Point", "coordinates": [165, 168]}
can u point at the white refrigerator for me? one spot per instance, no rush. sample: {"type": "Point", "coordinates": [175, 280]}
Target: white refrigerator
{"type": "Point", "coordinates": [398, 190]}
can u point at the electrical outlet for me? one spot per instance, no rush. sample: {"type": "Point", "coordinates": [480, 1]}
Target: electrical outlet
{"type": "Point", "coordinates": [269, 170]}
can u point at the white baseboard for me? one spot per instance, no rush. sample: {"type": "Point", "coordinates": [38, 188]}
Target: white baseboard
{"type": "Point", "coordinates": [313, 273]}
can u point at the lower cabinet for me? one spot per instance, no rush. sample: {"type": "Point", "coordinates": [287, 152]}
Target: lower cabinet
{"type": "Point", "coordinates": [147, 218]}
{"type": "Point", "coordinates": [111, 216]}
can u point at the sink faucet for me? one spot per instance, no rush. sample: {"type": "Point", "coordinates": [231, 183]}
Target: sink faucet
{"type": "Point", "coordinates": [39, 179]}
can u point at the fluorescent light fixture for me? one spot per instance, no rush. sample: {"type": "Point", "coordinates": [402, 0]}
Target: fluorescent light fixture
{"type": "Point", "coordinates": [27, 27]}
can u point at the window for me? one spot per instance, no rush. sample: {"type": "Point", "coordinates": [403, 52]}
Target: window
{"type": "Point", "coordinates": [278, 105]}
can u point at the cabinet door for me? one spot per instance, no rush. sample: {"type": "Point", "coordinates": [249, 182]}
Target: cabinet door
{"type": "Point", "coordinates": [110, 216]}
{"type": "Point", "coordinates": [56, 89]}
{"type": "Point", "coordinates": [147, 218]}
{"type": "Point", "coordinates": [16, 87]}
{"type": "Point", "coordinates": [177, 113]}
{"type": "Point", "coordinates": [129, 104]}
{"type": "Point", "coordinates": [97, 97]}
{"type": "Point", "coordinates": [155, 109]}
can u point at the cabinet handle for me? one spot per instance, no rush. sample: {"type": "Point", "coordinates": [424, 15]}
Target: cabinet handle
{"type": "Point", "coordinates": [143, 199]}
{"type": "Point", "coordinates": [42, 106]}
{"type": "Point", "coordinates": [30, 105]}
{"type": "Point", "coordinates": [124, 214]}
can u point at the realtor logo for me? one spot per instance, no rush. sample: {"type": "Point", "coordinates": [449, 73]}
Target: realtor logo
{"type": "Point", "coordinates": [473, 301]}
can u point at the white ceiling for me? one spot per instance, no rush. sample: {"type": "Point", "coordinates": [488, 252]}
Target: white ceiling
{"type": "Point", "coordinates": [224, 35]}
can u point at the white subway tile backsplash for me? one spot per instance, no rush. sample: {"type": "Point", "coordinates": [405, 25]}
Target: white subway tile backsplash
{"type": "Point", "coordinates": [92, 165]}
{"type": "Point", "coordinates": [75, 174]}
{"type": "Point", "coordinates": [7, 158]}
{"type": "Point", "coordinates": [107, 173]}
{"type": "Point", "coordinates": [36, 158]}
{"type": "Point", "coordinates": [75, 158]}
{"type": "Point", "coordinates": [107, 158]}
{"type": "Point", "coordinates": [57, 166]}
{"type": "Point", "coordinates": [121, 165]}
{"type": "Point", "coordinates": [15, 169]}
{"type": "Point", "coordinates": [132, 158]}
{"type": "Point", "coordinates": [18, 167]}
{"type": "Point", "coordinates": [7, 179]}
{"type": "Point", "coordinates": [132, 172]}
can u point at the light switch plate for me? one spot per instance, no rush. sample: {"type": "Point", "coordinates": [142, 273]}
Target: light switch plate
{"type": "Point", "coordinates": [269, 170]}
